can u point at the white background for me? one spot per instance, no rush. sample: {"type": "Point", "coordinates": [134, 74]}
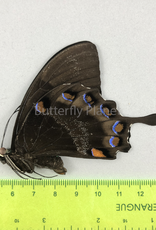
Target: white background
{"type": "Point", "coordinates": [124, 32]}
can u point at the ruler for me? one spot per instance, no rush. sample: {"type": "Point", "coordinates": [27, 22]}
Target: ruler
{"type": "Point", "coordinates": [77, 204]}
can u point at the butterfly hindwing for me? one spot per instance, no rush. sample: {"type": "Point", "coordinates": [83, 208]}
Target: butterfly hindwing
{"type": "Point", "coordinates": [75, 122]}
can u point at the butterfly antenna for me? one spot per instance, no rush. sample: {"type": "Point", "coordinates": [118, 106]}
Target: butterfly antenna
{"type": "Point", "coordinates": [16, 110]}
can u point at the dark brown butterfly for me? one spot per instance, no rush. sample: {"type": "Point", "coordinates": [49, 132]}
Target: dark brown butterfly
{"type": "Point", "coordinates": [64, 114]}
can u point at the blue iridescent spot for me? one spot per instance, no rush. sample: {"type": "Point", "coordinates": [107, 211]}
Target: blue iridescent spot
{"type": "Point", "coordinates": [84, 98]}
{"type": "Point", "coordinates": [36, 107]}
{"type": "Point", "coordinates": [66, 98]}
{"type": "Point", "coordinates": [101, 108]}
{"type": "Point", "coordinates": [114, 126]}
{"type": "Point", "coordinates": [111, 142]}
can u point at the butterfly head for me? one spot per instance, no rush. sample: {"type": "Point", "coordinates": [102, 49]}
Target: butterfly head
{"type": "Point", "coordinates": [2, 152]}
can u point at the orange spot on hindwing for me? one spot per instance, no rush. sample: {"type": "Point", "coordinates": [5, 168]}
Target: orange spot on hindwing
{"type": "Point", "coordinates": [97, 153]}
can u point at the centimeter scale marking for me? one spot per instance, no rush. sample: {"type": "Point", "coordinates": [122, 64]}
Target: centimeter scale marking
{"type": "Point", "coordinates": [77, 204]}
{"type": "Point", "coordinates": [76, 183]}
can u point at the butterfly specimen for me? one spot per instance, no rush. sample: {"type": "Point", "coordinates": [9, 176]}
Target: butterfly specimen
{"type": "Point", "coordinates": [64, 114]}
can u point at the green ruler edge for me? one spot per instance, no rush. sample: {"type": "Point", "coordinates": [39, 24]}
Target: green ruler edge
{"type": "Point", "coordinates": [77, 204]}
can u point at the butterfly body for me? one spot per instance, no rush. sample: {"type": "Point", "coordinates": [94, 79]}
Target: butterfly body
{"type": "Point", "coordinates": [64, 114]}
